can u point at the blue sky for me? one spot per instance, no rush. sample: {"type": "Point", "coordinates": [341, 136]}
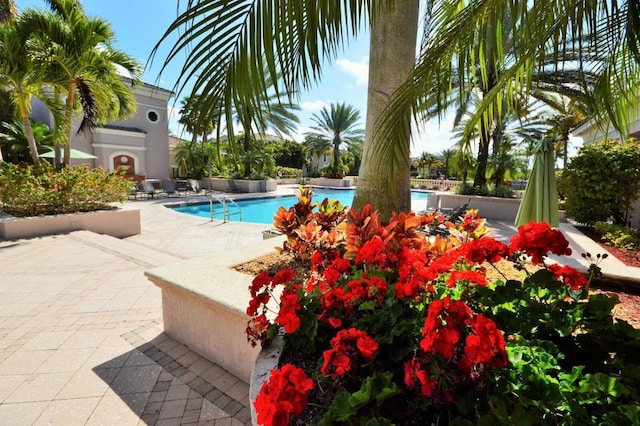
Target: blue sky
{"type": "Point", "coordinates": [139, 24]}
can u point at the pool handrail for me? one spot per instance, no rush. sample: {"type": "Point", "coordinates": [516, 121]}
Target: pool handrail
{"type": "Point", "coordinates": [225, 209]}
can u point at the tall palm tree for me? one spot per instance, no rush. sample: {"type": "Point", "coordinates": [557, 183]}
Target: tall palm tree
{"type": "Point", "coordinates": [293, 39]}
{"type": "Point", "coordinates": [86, 64]}
{"type": "Point", "coordinates": [568, 115]}
{"type": "Point", "coordinates": [339, 127]}
{"type": "Point", "coordinates": [21, 75]}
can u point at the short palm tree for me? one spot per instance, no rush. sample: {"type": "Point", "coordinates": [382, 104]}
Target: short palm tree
{"type": "Point", "coordinates": [13, 139]}
{"type": "Point", "coordinates": [337, 127]}
{"type": "Point", "coordinates": [446, 156]}
{"type": "Point", "coordinates": [314, 147]}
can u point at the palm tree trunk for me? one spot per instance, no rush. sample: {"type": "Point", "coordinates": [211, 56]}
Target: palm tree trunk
{"type": "Point", "coordinates": [336, 157]}
{"type": "Point", "coordinates": [565, 150]}
{"type": "Point", "coordinates": [391, 59]}
{"type": "Point", "coordinates": [24, 115]}
{"type": "Point", "coordinates": [68, 118]}
{"type": "Point", "coordinates": [480, 178]}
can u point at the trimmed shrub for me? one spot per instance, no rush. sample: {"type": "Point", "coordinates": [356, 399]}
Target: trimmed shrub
{"type": "Point", "coordinates": [605, 181]}
{"type": "Point", "coordinates": [618, 235]}
{"type": "Point", "coordinates": [27, 190]}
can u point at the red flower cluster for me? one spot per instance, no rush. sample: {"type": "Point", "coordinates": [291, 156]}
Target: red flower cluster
{"type": "Point", "coordinates": [415, 375]}
{"type": "Point", "coordinates": [287, 317]}
{"type": "Point", "coordinates": [261, 292]}
{"type": "Point", "coordinates": [345, 346]}
{"type": "Point", "coordinates": [472, 277]}
{"type": "Point", "coordinates": [537, 239]}
{"type": "Point", "coordinates": [283, 396]}
{"type": "Point", "coordinates": [484, 249]}
{"type": "Point", "coordinates": [441, 331]}
{"type": "Point", "coordinates": [568, 275]}
{"type": "Point", "coordinates": [447, 321]}
{"type": "Point", "coordinates": [485, 345]}
{"type": "Point", "coordinates": [372, 253]}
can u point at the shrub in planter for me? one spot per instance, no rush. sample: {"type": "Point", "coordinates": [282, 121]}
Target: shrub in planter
{"type": "Point", "coordinates": [27, 190]}
{"type": "Point", "coordinates": [393, 328]}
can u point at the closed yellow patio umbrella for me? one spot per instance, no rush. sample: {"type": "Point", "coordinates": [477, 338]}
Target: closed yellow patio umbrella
{"type": "Point", "coordinates": [540, 200]}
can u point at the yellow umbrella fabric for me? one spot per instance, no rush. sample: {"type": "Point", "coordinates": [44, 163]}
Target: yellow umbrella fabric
{"type": "Point", "coordinates": [540, 200]}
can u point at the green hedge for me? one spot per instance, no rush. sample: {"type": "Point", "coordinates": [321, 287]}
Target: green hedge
{"type": "Point", "coordinates": [27, 190]}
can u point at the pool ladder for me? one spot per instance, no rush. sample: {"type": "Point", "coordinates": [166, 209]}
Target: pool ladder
{"type": "Point", "coordinates": [224, 202]}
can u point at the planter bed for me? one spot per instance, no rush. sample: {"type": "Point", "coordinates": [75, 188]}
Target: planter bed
{"type": "Point", "coordinates": [116, 223]}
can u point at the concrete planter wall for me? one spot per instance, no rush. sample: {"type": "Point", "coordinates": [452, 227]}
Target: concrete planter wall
{"type": "Point", "coordinates": [240, 185]}
{"type": "Point", "coordinates": [267, 360]}
{"type": "Point", "coordinates": [488, 207]}
{"type": "Point", "coordinates": [332, 183]}
{"type": "Point", "coordinates": [117, 223]}
{"type": "Point", "coordinates": [204, 302]}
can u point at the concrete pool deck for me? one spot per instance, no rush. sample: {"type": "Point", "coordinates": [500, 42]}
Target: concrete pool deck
{"type": "Point", "coordinates": [81, 334]}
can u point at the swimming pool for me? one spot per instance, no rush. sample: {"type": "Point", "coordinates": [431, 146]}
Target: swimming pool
{"type": "Point", "coordinates": [262, 210]}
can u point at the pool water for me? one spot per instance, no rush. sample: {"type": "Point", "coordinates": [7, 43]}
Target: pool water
{"type": "Point", "coordinates": [262, 210]}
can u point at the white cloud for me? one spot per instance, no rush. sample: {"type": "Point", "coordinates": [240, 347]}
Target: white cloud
{"type": "Point", "coordinates": [298, 136]}
{"type": "Point", "coordinates": [359, 70]}
{"type": "Point", "coordinates": [433, 136]}
{"type": "Point", "coordinates": [316, 105]}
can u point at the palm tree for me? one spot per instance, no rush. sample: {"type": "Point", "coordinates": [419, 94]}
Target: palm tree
{"type": "Point", "coordinates": [339, 127]}
{"type": "Point", "coordinates": [315, 146]}
{"type": "Point", "coordinates": [8, 10]}
{"type": "Point", "coordinates": [86, 65]}
{"type": "Point", "coordinates": [569, 114]}
{"type": "Point", "coordinates": [21, 75]}
{"type": "Point", "coordinates": [446, 156]}
{"type": "Point", "coordinates": [256, 119]}
{"type": "Point", "coordinates": [13, 139]}
{"type": "Point", "coordinates": [293, 39]}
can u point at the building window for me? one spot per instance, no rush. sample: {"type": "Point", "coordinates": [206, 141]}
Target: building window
{"type": "Point", "coordinates": [152, 116]}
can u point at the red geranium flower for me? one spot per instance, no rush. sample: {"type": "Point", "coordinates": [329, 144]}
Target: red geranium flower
{"type": "Point", "coordinates": [538, 239]}
{"type": "Point", "coordinates": [485, 345]}
{"type": "Point", "coordinates": [372, 253]}
{"type": "Point", "coordinates": [569, 276]}
{"type": "Point", "coordinates": [472, 277]}
{"type": "Point", "coordinates": [484, 249]}
{"type": "Point", "coordinates": [287, 317]}
{"type": "Point", "coordinates": [284, 396]}
{"type": "Point", "coordinates": [344, 347]}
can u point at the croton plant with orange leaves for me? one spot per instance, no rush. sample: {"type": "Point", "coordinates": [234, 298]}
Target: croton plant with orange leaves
{"type": "Point", "coordinates": [396, 326]}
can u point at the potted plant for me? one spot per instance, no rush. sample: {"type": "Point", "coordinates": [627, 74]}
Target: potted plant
{"type": "Point", "coordinates": [392, 327]}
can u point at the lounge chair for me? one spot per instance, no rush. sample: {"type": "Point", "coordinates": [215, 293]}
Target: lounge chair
{"type": "Point", "coordinates": [136, 193]}
{"type": "Point", "coordinates": [169, 188]}
{"type": "Point", "coordinates": [151, 190]}
{"type": "Point", "coordinates": [231, 186]}
{"type": "Point", "coordinates": [194, 186]}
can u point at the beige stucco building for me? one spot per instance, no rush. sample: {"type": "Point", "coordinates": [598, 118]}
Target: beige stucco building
{"type": "Point", "coordinates": [140, 143]}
